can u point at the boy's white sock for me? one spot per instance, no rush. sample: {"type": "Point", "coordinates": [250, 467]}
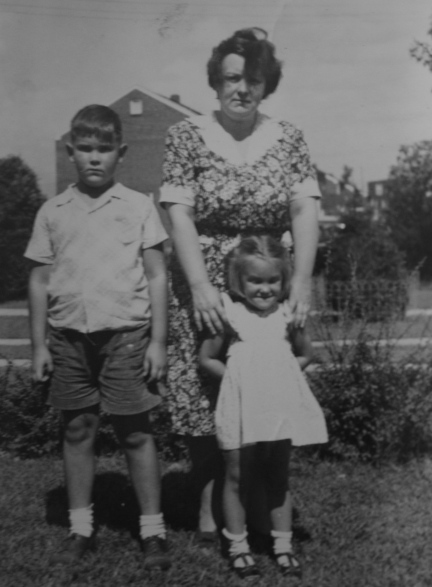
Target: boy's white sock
{"type": "Point", "coordinates": [282, 541]}
{"type": "Point", "coordinates": [152, 525]}
{"type": "Point", "coordinates": [81, 521]}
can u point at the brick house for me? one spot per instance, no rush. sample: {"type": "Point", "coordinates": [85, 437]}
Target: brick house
{"type": "Point", "coordinates": [146, 117]}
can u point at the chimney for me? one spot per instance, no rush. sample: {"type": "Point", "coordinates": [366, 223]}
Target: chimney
{"type": "Point", "coordinates": [175, 98]}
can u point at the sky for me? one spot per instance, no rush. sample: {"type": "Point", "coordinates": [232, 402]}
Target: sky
{"type": "Point", "coordinates": [348, 80]}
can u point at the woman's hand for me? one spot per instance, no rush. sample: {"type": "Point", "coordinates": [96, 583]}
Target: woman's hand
{"type": "Point", "coordinates": [304, 224]}
{"type": "Point", "coordinates": [208, 308]}
{"type": "Point", "coordinates": [300, 300]}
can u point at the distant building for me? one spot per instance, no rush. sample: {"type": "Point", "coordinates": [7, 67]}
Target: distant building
{"type": "Point", "coordinates": [377, 196]}
{"type": "Point", "coordinates": [146, 117]}
{"type": "Point", "coordinates": [335, 196]}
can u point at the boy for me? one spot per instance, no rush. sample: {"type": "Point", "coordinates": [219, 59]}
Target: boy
{"type": "Point", "coordinates": [99, 277]}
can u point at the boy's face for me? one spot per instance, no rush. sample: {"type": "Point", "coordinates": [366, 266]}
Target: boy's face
{"type": "Point", "coordinates": [95, 159]}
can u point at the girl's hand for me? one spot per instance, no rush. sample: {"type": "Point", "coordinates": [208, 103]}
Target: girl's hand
{"type": "Point", "coordinates": [300, 300]}
{"type": "Point", "coordinates": [155, 361]}
{"type": "Point", "coordinates": [42, 364]}
{"type": "Point", "coordinates": [208, 308]}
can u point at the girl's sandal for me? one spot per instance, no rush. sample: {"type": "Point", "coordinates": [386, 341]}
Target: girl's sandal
{"type": "Point", "coordinates": [248, 569]}
{"type": "Point", "coordinates": [288, 564]}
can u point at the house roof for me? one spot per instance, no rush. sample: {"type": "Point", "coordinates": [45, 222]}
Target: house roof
{"type": "Point", "coordinates": [186, 110]}
{"type": "Point", "coordinates": [170, 102]}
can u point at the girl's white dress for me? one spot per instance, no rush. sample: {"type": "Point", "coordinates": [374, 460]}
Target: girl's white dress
{"type": "Point", "coordinates": [264, 395]}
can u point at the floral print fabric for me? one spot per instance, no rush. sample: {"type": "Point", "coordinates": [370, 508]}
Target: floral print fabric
{"type": "Point", "coordinates": [230, 201]}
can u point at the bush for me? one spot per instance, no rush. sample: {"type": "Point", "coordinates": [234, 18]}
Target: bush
{"type": "Point", "coordinates": [30, 428]}
{"type": "Point", "coordinates": [375, 412]}
{"type": "Point", "coordinates": [378, 299]}
{"type": "Point", "coordinates": [365, 271]}
{"type": "Point", "coordinates": [376, 399]}
{"type": "Point", "coordinates": [20, 198]}
{"type": "Point", "coordinates": [375, 409]}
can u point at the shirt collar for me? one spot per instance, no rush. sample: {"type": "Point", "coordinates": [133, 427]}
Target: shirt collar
{"type": "Point", "coordinates": [70, 194]}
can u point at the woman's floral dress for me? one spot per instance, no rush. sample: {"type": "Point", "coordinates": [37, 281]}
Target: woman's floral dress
{"type": "Point", "coordinates": [232, 195]}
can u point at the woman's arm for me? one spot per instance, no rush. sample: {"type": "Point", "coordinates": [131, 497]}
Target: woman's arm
{"type": "Point", "coordinates": [209, 356]}
{"type": "Point", "coordinates": [208, 308]}
{"type": "Point", "coordinates": [304, 225]}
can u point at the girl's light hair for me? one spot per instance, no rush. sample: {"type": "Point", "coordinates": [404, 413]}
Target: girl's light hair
{"type": "Point", "coordinates": [264, 247]}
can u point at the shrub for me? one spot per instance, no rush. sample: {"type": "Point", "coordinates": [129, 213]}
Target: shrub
{"type": "Point", "coordinates": [20, 198]}
{"type": "Point", "coordinates": [30, 428]}
{"type": "Point", "coordinates": [377, 401]}
{"type": "Point", "coordinates": [365, 271]}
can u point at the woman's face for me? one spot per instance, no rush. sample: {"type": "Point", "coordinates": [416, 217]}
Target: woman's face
{"type": "Point", "coordinates": [239, 96]}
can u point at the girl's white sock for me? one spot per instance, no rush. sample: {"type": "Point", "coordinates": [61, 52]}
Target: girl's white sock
{"type": "Point", "coordinates": [238, 544]}
{"type": "Point", "coordinates": [152, 525]}
{"type": "Point", "coordinates": [81, 521]}
{"type": "Point", "coordinates": [281, 541]}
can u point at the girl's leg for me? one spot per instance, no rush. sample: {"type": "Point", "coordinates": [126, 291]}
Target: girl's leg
{"type": "Point", "coordinates": [275, 459]}
{"type": "Point", "coordinates": [237, 475]}
{"type": "Point", "coordinates": [238, 465]}
{"type": "Point", "coordinates": [280, 504]}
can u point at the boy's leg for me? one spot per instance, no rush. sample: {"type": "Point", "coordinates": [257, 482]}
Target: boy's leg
{"type": "Point", "coordinates": [80, 428]}
{"type": "Point", "coordinates": [78, 454]}
{"type": "Point", "coordinates": [136, 439]}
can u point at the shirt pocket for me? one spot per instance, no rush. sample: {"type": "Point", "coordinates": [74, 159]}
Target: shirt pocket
{"type": "Point", "coordinates": [127, 230]}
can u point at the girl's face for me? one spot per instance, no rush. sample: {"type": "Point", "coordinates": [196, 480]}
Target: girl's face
{"type": "Point", "coordinates": [261, 282]}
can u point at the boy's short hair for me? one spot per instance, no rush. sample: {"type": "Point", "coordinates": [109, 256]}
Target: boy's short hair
{"type": "Point", "coordinates": [261, 246]}
{"type": "Point", "coordinates": [99, 121]}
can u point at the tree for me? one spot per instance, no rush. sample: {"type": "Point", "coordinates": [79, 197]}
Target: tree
{"type": "Point", "coordinates": [20, 198]}
{"type": "Point", "coordinates": [422, 52]}
{"type": "Point", "coordinates": [409, 212]}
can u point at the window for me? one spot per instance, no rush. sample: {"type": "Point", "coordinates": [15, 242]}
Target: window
{"type": "Point", "coordinates": [135, 107]}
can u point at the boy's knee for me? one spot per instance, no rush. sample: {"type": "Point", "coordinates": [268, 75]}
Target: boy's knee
{"type": "Point", "coordinates": [137, 440]}
{"type": "Point", "coordinates": [80, 429]}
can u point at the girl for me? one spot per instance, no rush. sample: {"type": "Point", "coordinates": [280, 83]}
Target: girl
{"type": "Point", "coordinates": [264, 403]}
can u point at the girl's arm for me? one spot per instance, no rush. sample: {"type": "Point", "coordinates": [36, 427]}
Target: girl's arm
{"type": "Point", "coordinates": [209, 354]}
{"type": "Point", "coordinates": [302, 346]}
{"type": "Point", "coordinates": [208, 308]}
{"type": "Point", "coordinates": [304, 224]}
{"type": "Point", "coordinates": [154, 267]}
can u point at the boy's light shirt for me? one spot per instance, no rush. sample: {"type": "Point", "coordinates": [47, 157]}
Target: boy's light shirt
{"type": "Point", "coordinates": [97, 279]}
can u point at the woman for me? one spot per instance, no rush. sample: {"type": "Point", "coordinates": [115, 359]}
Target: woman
{"type": "Point", "coordinates": [234, 173]}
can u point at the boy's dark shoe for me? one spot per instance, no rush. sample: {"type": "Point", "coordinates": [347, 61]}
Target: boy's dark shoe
{"type": "Point", "coordinates": [155, 551]}
{"type": "Point", "coordinates": [74, 548]}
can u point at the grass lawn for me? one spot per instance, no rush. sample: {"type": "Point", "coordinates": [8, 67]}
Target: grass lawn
{"type": "Point", "coordinates": [368, 527]}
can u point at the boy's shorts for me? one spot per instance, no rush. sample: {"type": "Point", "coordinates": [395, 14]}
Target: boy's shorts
{"type": "Point", "coordinates": [105, 367]}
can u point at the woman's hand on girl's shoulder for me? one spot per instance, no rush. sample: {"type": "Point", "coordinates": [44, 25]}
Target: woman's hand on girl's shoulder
{"type": "Point", "coordinates": [208, 308]}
